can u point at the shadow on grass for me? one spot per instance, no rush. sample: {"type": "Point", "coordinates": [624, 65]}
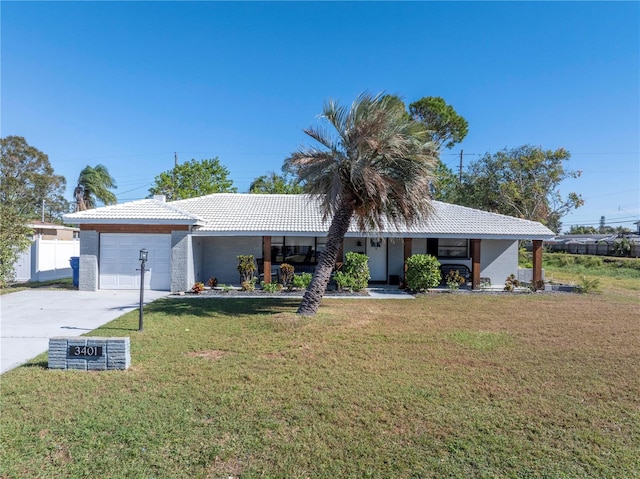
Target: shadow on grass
{"type": "Point", "coordinates": [36, 364]}
{"type": "Point", "coordinates": [227, 306]}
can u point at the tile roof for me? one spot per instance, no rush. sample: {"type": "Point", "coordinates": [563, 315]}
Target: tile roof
{"type": "Point", "coordinates": [247, 213]}
{"type": "Point", "coordinates": [150, 211]}
{"type": "Point", "coordinates": [252, 214]}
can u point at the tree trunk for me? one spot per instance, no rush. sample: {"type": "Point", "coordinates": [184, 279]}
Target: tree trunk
{"type": "Point", "coordinates": [80, 204]}
{"type": "Point", "coordinates": [339, 226]}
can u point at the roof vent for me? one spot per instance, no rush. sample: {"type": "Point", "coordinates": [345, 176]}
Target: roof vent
{"type": "Point", "coordinates": [161, 198]}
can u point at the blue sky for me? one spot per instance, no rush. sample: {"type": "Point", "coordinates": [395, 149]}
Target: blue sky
{"type": "Point", "coordinates": [127, 84]}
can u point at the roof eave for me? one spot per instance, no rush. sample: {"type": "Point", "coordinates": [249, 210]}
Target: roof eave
{"type": "Point", "coordinates": [130, 221]}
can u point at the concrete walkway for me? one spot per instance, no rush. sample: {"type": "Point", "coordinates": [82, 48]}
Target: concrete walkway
{"type": "Point", "coordinates": [29, 318]}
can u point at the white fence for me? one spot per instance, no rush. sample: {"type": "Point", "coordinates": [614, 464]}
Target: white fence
{"type": "Point", "coordinates": [46, 260]}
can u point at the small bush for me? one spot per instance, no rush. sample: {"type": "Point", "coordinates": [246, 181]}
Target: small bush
{"type": "Point", "coordinates": [302, 281]}
{"type": "Point", "coordinates": [589, 261]}
{"type": "Point", "coordinates": [589, 285]}
{"type": "Point", "coordinates": [354, 275]}
{"type": "Point", "coordinates": [454, 280]}
{"type": "Point", "coordinates": [423, 271]}
{"type": "Point", "coordinates": [197, 288]}
{"type": "Point", "coordinates": [246, 267]}
{"type": "Point", "coordinates": [287, 272]}
{"type": "Point", "coordinates": [213, 282]}
{"type": "Point", "coordinates": [249, 285]}
{"type": "Point", "coordinates": [511, 283]}
{"type": "Point", "coordinates": [271, 287]}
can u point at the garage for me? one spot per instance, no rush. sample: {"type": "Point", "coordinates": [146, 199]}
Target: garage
{"type": "Point", "coordinates": [120, 265]}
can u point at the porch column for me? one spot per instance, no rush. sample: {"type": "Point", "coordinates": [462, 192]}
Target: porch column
{"type": "Point", "coordinates": [266, 258]}
{"type": "Point", "coordinates": [537, 261]}
{"type": "Point", "coordinates": [475, 263]}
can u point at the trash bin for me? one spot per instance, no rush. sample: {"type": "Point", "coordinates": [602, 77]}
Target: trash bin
{"type": "Point", "coordinates": [75, 266]}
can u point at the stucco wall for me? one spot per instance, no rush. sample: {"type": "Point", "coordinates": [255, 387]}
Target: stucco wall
{"type": "Point", "coordinates": [219, 256]}
{"type": "Point", "coordinates": [499, 259]}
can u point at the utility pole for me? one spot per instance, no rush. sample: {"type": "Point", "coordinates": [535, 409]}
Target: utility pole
{"type": "Point", "coordinates": [175, 158]}
{"type": "Point", "coordinates": [461, 156]}
{"type": "Point", "coordinates": [43, 211]}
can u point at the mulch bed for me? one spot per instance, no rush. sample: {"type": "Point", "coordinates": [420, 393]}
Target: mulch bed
{"type": "Point", "coordinates": [218, 292]}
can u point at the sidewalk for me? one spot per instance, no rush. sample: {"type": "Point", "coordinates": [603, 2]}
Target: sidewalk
{"type": "Point", "coordinates": [29, 318]}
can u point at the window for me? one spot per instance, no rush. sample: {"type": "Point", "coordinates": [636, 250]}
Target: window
{"type": "Point", "coordinates": [292, 249]}
{"type": "Point", "coordinates": [453, 248]}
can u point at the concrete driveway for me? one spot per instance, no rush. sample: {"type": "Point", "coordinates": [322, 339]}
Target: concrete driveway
{"type": "Point", "coordinates": [29, 318]}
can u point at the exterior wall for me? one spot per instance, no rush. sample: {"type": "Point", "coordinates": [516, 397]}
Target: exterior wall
{"type": "Point", "coordinates": [181, 262]}
{"type": "Point", "coordinates": [197, 255]}
{"type": "Point", "coordinates": [351, 245]}
{"type": "Point", "coordinates": [419, 246]}
{"type": "Point", "coordinates": [395, 253]}
{"type": "Point", "coordinates": [219, 257]}
{"type": "Point", "coordinates": [499, 259]}
{"type": "Point", "coordinates": [89, 251]}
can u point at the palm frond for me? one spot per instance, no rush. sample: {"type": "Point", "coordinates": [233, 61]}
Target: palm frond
{"type": "Point", "coordinates": [377, 157]}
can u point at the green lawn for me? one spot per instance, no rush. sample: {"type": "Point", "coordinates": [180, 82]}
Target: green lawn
{"type": "Point", "coordinates": [447, 385]}
{"type": "Point", "coordinates": [65, 283]}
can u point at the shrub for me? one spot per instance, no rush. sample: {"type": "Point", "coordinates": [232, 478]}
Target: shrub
{"type": "Point", "coordinates": [302, 281]}
{"type": "Point", "coordinates": [270, 287]}
{"type": "Point", "coordinates": [198, 288]}
{"type": "Point", "coordinates": [287, 272]}
{"type": "Point", "coordinates": [249, 285]}
{"type": "Point", "coordinates": [454, 280]}
{"type": "Point", "coordinates": [213, 282]}
{"type": "Point", "coordinates": [246, 267]}
{"type": "Point", "coordinates": [511, 283]}
{"type": "Point", "coordinates": [589, 285]}
{"type": "Point", "coordinates": [423, 271]}
{"type": "Point", "coordinates": [589, 261]}
{"type": "Point", "coordinates": [354, 275]}
{"type": "Point", "coordinates": [622, 246]}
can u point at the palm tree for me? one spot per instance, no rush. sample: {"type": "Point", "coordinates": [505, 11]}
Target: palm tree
{"type": "Point", "coordinates": [94, 184]}
{"type": "Point", "coordinates": [273, 183]}
{"type": "Point", "coordinates": [377, 167]}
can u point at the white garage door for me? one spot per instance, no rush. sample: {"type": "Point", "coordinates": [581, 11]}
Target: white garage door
{"type": "Point", "coordinates": [120, 264]}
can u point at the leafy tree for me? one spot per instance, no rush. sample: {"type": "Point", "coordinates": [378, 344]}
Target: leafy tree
{"type": "Point", "coordinates": [28, 180]}
{"type": "Point", "coordinates": [93, 185]}
{"type": "Point", "coordinates": [193, 178]}
{"type": "Point", "coordinates": [273, 183]}
{"type": "Point", "coordinates": [445, 184]}
{"type": "Point", "coordinates": [377, 166]}
{"type": "Point", "coordinates": [583, 230]}
{"type": "Point", "coordinates": [446, 127]}
{"type": "Point", "coordinates": [603, 224]}
{"type": "Point", "coordinates": [522, 182]}
{"type": "Point", "coordinates": [14, 240]}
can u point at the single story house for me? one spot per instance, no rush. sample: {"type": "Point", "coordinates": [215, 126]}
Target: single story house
{"type": "Point", "coordinates": [53, 231]}
{"type": "Point", "coordinates": [199, 238]}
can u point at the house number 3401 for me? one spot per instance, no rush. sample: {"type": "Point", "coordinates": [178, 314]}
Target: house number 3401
{"type": "Point", "coordinates": [90, 351]}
